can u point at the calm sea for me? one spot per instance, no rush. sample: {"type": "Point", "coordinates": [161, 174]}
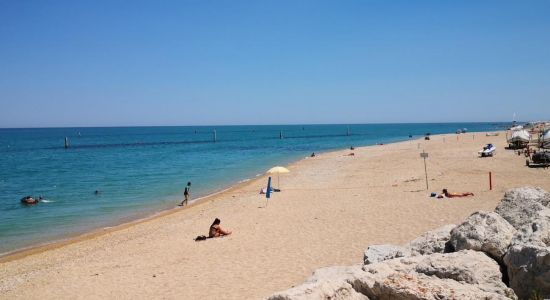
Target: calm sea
{"type": "Point", "coordinates": [142, 170]}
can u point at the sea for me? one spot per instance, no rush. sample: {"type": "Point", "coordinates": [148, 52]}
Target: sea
{"type": "Point", "coordinates": [140, 171]}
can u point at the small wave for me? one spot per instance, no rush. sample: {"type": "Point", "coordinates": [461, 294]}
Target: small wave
{"type": "Point", "coordinates": [244, 180]}
{"type": "Point", "coordinates": [47, 201]}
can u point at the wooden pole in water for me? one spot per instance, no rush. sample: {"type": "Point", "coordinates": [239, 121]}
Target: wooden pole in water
{"type": "Point", "coordinates": [214, 135]}
{"type": "Point", "coordinates": [347, 132]}
{"type": "Point", "coordinates": [281, 135]}
{"type": "Point", "coordinates": [66, 142]}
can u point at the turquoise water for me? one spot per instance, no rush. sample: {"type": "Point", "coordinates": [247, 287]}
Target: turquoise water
{"type": "Point", "coordinates": [142, 170]}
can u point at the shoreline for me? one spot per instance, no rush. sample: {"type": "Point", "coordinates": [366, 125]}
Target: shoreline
{"type": "Point", "coordinates": [158, 192]}
{"type": "Point", "coordinates": [118, 226]}
{"type": "Point", "coordinates": [330, 209]}
{"type": "Point", "coordinates": [144, 218]}
{"type": "Point", "coordinates": [124, 223]}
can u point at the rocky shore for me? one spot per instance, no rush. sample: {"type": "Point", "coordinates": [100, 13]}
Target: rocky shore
{"type": "Point", "coordinates": [503, 254]}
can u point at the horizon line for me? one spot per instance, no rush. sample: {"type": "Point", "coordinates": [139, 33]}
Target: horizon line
{"type": "Point", "coordinates": [289, 124]}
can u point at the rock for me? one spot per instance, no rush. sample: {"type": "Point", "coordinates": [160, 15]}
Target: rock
{"type": "Point", "coordinates": [521, 205]}
{"type": "Point", "coordinates": [467, 266]}
{"type": "Point", "coordinates": [420, 286]}
{"type": "Point", "coordinates": [537, 233]}
{"type": "Point", "coordinates": [461, 275]}
{"type": "Point", "coordinates": [529, 270]}
{"type": "Point", "coordinates": [434, 241]}
{"type": "Point", "coordinates": [326, 283]}
{"type": "Point", "coordinates": [483, 231]}
{"type": "Point", "coordinates": [322, 290]}
{"type": "Point", "coordinates": [378, 253]}
{"type": "Point", "coordinates": [528, 259]}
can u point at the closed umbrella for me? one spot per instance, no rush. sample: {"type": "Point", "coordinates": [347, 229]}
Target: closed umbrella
{"type": "Point", "coordinates": [278, 170]}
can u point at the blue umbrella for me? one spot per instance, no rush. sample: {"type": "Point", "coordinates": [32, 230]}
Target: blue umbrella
{"type": "Point", "coordinates": [268, 192]}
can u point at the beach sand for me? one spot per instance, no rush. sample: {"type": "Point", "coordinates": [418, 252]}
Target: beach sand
{"type": "Point", "coordinates": [330, 209]}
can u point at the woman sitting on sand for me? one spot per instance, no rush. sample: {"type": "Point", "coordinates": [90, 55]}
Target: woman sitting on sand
{"type": "Point", "coordinates": [216, 230]}
{"type": "Point", "coordinates": [454, 195]}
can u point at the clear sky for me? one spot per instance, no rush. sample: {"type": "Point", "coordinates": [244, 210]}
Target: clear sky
{"type": "Point", "coordinates": [116, 63]}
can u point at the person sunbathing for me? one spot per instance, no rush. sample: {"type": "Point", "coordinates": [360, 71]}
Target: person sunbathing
{"type": "Point", "coordinates": [454, 195]}
{"type": "Point", "coordinates": [216, 230]}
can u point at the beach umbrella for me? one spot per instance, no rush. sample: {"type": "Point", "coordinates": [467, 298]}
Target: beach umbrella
{"type": "Point", "coordinates": [278, 170]}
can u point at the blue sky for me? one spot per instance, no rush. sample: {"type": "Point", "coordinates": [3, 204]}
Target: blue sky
{"type": "Point", "coordinates": [117, 63]}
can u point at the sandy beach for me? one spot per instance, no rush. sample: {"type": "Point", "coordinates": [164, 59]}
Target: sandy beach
{"type": "Point", "coordinates": [330, 209]}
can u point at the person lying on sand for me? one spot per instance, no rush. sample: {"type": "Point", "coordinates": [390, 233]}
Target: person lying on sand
{"type": "Point", "coordinates": [263, 191]}
{"type": "Point", "coordinates": [216, 230]}
{"type": "Point", "coordinates": [454, 195]}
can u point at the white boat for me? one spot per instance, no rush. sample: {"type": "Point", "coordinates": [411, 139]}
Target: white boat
{"type": "Point", "coordinates": [519, 137]}
{"type": "Point", "coordinates": [488, 150]}
{"type": "Point", "coordinates": [545, 139]}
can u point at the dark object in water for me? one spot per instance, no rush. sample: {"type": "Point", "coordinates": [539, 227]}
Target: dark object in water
{"type": "Point", "coordinates": [28, 200]}
{"type": "Point", "coordinates": [410, 135]}
{"type": "Point", "coordinates": [427, 138]}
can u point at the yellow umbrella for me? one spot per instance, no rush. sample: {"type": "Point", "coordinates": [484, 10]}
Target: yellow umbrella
{"type": "Point", "coordinates": [278, 170]}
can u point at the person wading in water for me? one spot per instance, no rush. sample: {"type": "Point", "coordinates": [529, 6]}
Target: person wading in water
{"type": "Point", "coordinates": [186, 194]}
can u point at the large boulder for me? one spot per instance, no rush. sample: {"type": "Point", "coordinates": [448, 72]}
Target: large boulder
{"type": "Point", "coordinates": [460, 275]}
{"type": "Point", "coordinates": [421, 287]}
{"type": "Point", "coordinates": [521, 205]}
{"type": "Point", "coordinates": [327, 283]}
{"type": "Point", "coordinates": [378, 253]}
{"type": "Point", "coordinates": [483, 231]}
{"type": "Point", "coordinates": [528, 259]}
{"type": "Point", "coordinates": [434, 241]}
{"type": "Point", "coordinates": [467, 266]}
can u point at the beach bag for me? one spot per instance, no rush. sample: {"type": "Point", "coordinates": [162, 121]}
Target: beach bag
{"type": "Point", "coordinates": [200, 238]}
